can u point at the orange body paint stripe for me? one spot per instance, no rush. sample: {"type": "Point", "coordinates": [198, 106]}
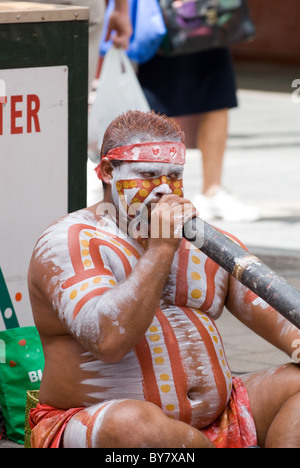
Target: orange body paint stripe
{"type": "Point", "coordinates": [143, 353]}
{"type": "Point", "coordinates": [86, 298]}
{"type": "Point", "coordinates": [211, 269]}
{"type": "Point", "coordinates": [91, 424]}
{"type": "Point", "coordinates": [88, 421]}
{"type": "Point", "coordinates": [180, 379]}
{"type": "Point", "coordinates": [121, 241]}
{"type": "Point", "coordinates": [82, 274]}
{"type": "Point", "coordinates": [215, 365]}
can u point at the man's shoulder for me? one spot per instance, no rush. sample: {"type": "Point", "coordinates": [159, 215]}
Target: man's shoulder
{"type": "Point", "coordinates": [56, 234]}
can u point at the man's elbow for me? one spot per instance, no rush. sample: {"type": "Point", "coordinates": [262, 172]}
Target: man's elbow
{"type": "Point", "coordinates": [113, 351]}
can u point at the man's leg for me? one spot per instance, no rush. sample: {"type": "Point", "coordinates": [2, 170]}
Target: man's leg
{"type": "Point", "coordinates": [208, 132]}
{"type": "Point", "coordinates": [130, 424]}
{"type": "Point", "coordinates": [212, 138]}
{"type": "Point", "coordinates": [274, 397]}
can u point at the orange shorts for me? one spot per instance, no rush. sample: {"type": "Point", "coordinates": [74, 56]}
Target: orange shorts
{"type": "Point", "coordinates": [235, 427]}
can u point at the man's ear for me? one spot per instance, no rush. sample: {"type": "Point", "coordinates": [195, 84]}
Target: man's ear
{"type": "Point", "coordinates": [106, 170]}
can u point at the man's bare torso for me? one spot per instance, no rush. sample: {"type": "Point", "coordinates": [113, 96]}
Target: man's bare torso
{"type": "Point", "coordinates": [179, 364]}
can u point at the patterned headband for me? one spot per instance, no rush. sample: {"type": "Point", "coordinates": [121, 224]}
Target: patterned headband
{"type": "Point", "coordinates": [162, 152]}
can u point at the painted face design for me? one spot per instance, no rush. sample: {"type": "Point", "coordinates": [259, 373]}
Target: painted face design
{"type": "Point", "coordinates": [137, 185]}
{"type": "Point", "coordinates": [137, 191]}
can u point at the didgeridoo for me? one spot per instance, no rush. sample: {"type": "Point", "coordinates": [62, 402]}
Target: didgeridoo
{"type": "Point", "coordinates": [246, 268]}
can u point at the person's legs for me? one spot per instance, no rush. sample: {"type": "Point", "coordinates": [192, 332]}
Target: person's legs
{"type": "Point", "coordinates": [208, 132]}
{"type": "Point", "coordinates": [212, 137]}
{"type": "Point", "coordinates": [274, 397]}
{"type": "Point", "coordinates": [130, 424]}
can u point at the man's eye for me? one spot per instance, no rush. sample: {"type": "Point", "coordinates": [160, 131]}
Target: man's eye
{"type": "Point", "coordinates": [174, 176]}
{"type": "Point", "coordinates": [148, 175]}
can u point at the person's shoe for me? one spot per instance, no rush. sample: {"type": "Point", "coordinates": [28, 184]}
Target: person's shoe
{"type": "Point", "coordinates": [225, 206]}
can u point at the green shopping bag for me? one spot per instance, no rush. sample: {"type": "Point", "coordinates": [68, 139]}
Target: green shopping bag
{"type": "Point", "coordinates": [21, 367]}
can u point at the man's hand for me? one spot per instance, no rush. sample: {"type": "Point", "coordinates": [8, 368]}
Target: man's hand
{"type": "Point", "coordinates": [119, 23]}
{"type": "Point", "coordinates": [168, 218]}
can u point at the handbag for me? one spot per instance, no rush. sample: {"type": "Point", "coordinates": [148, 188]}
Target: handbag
{"type": "Point", "coordinates": [197, 25]}
{"type": "Point", "coordinates": [118, 91]}
{"type": "Point", "coordinates": [21, 367]}
{"type": "Point", "coordinates": [148, 29]}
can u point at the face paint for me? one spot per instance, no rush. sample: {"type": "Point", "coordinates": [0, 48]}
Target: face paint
{"type": "Point", "coordinates": [131, 189]}
{"type": "Point", "coordinates": [140, 189]}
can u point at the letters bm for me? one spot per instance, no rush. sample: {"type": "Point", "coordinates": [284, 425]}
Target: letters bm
{"type": "Point", "coordinates": [25, 108]}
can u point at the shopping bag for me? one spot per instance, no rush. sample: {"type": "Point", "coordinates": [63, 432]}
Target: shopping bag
{"type": "Point", "coordinates": [21, 368]}
{"type": "Point", "coordinates": [148, 29]}
{"type": "Point", "coordinates": [118, 91]}
{"type": "Point", "coordinates": [197, 25]}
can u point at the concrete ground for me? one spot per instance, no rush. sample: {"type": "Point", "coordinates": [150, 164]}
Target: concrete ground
{"type": "Point", "coordinates": [262, 167]}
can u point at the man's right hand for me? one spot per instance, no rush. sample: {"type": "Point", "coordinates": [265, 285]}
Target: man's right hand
{"type": "Point", "coordinates": [168, 218]}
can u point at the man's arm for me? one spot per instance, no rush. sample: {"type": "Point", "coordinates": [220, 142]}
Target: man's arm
{"type": "Point", "coordinates": [109, 319]}
{"type": "Point", "coordinates": [261, 318]}
{"type": "Point", "coordinates": [120, 23]}
{"type": "Point", "coordinates": [136, 299]}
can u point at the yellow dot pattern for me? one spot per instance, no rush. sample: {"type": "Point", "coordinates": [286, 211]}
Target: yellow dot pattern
{"type": "Point", "coordinates": [85, 243]}
{"type": "Point", "coordinates": [144, 188]}
{"type": "Point", "coordinates": [162, 369]}
{"type": "Point", "coordinates": [143, 193]}
{"type": "Point", "coordinates": [73, 294]}
{"type": "Point", "coordinates": [196, 293]}
{"type": "Point", "coordinates": [196, 279]}
{"type": "Point", "coordinates": [218, 345]}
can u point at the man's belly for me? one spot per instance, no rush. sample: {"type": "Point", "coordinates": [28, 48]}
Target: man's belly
{"type": "Point", "coordinates": [179, 365]}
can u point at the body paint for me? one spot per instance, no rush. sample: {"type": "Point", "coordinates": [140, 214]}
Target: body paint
{"type": "Point", "coordinates": [83, 429]}
{"type": "Point", "coordinates": [183, 349]}
{"type": "Point", "coordinates": [132, 195]}
{"type": "Point", "coordinates": [136, 191]}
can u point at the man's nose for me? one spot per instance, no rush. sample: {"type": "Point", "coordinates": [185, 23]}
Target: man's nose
{"type": "Point", "coordinates": [161, 190]}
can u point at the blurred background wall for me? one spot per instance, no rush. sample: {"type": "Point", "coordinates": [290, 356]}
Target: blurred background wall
{"type": "Point", "coordinates": [278, 32]}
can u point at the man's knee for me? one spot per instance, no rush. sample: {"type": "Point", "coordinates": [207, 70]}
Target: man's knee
{"type": "Point", "coordinates": [130, 423]}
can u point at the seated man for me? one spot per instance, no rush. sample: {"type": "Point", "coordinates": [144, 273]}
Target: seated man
{"type": "Point", "coordinates": [126, 315]}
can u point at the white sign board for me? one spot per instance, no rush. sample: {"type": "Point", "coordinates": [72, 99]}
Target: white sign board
{"type": "Point", "coordinates": [33, 174]}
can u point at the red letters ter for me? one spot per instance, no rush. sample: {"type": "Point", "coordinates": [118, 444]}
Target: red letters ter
{"type": "Point", "coordinates": [17, 112]}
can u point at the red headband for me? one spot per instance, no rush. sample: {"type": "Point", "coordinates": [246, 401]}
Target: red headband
{"type": "Point", "coordinates": [161, 152]}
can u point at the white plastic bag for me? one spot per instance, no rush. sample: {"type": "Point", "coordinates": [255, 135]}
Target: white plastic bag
{"type": "Point", "coordinates": [118, 91]}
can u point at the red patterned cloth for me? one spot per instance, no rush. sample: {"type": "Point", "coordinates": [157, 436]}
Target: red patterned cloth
{"type": "Point", "coordinates": [235, 427]}
{"type": "Point", "coordinates": [48, 424]}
